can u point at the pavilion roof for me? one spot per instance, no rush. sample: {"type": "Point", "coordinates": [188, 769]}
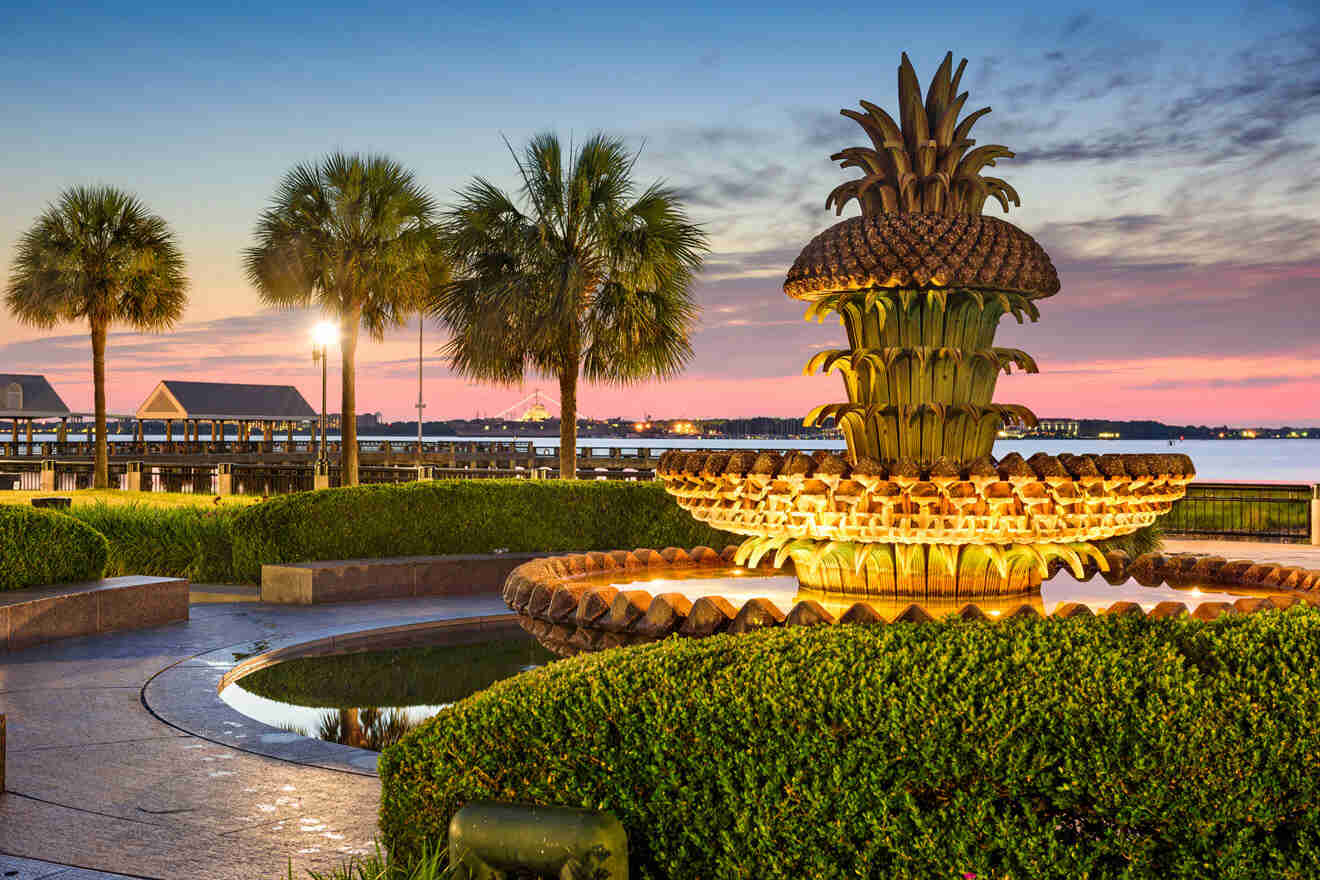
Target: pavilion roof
{"type": "Point", "coordinates": [176, 399]}
{"type": "Point", "coordinates": [28, 396]}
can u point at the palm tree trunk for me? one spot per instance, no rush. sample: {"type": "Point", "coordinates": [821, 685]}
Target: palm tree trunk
{"type": "Point", "coordinates": [568, 423]}
{"type": "Point", "coordinates": [348, 453]}
{"type": "Point", "coordinates": [101, 467]}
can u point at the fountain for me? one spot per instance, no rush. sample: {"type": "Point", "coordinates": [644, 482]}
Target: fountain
{"type": "Point", "coordinates": [918, 514]}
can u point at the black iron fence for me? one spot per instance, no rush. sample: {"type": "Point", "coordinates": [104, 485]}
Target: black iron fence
{"type": "Point", "coordinates": [1272, 512]}
{"type": "Point", "coordinates": [1262, 511]}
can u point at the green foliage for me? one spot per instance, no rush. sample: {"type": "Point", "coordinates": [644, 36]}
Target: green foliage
{"type": "Point", "coordinates": [587, 274]}
{"type": "Point", "coordinates": [1102, 747]}
{"type": "Point", "coordinates": [1147, 539]}
{"type": "Point", "coordinates": [188, 542]}
{"type": "Point", "coordinates": [429, 865]}
{"type": "Point", "coordinates": [425, 675]}
{"type": "Point", "coordinates": [462, 516]}
{"type": "Point", "coordinates": [98, 254]}
{"type": "Point", "coordinates": [39, 548]}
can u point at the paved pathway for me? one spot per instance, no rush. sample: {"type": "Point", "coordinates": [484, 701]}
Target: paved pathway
{"type": "Point", "coordinates": [1296, 555]}
{"type": "Point", "coordinates": [97, 781]}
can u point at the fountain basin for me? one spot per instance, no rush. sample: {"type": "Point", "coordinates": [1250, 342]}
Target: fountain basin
{"type": "Point", "coordinates": [595, 601]}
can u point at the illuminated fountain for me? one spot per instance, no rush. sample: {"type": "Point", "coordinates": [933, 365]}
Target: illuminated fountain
{"type": "Point", "coordinates": [917, 514]}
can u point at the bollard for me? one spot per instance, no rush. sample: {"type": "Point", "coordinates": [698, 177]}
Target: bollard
{"type": "Point", "coordinates": [321, 476]}
{"type": "Point", "coordinates": [224, 478]}
{"type": "Point", "coordinates": [487, 839]}
{"type": "Point", "coordinates": [1315, 514]}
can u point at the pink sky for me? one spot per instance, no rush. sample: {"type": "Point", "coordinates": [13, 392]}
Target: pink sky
{"type": "Point", "coordinates": [1179, 202]}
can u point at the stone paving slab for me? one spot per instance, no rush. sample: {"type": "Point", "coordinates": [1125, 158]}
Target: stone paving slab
{"type": "Point", "coordinates": [13, 868]}
{"type": "Point", "coordinates": [96, 780]}
{"type": "Point", "coordinates": [1296, 555]}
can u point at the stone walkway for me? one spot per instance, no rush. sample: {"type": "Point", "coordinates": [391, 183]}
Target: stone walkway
{"type": "Point", "coordinates": [1296, 555]}
{"type": "Point", "coordinates": [97, 781]}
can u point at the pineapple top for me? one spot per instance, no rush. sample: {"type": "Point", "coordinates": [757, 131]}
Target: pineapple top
{"type": "Point", "coordinates": [921, 198]}
{"type": "Point", "coordinates": [924, 164]}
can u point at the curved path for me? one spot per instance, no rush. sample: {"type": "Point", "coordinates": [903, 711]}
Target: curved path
{"type": "Point", "coordinates": [122, 760]}
{"type": "Point", "coordinates": [106, 769]}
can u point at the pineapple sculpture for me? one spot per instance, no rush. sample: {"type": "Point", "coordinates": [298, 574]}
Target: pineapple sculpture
{"type": "Point", "coordinates": [920, 282]}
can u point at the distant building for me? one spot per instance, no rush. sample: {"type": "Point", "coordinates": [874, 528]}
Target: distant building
{"type": "Point", "coordinates": [535, 413]}
{"type": "Point", "coordinates": [174, 400]}
{"type": "Point", "coordinates": [26, 398]}
{"type": "Point", "coordinates": [1058, 427]}
{"type": "Point", "coordinates": [193, 403]}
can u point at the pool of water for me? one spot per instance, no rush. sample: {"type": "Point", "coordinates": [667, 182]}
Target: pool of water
{"type": "Point", "coordinates": [372, 698]}
{"type": "Point", "coordinates": [740, 585]}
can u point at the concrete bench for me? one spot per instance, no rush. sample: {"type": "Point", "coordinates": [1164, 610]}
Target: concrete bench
{"type": "Point", "coordinates": [30, 617]}
{"type": "Point", "coordinates": [401, 577]}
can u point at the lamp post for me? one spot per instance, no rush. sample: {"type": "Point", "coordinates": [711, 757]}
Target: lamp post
{"type": "Point", "coordinates": [324, 335]}
{"type": "Point", "coordinates": [420, 406]}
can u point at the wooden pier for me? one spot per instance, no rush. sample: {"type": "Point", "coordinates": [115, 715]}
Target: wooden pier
{"type": "Point", "coordinates": [289, 464]}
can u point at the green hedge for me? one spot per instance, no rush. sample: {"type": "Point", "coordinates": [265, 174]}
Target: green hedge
{"type": "Point", "coordinates": [462, 516]}
{"type": "Point", "coordinates": [188, 542]}
{"type": "Point", "coordinates": [1110, 747]}
{"type": "Point", "coordinates": [39, 547]}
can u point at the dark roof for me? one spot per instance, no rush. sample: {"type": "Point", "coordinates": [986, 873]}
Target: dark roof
{"type": "Point", "coordinates": [214, 400]}
{"type": "Point", "coordinates": [39, 399]}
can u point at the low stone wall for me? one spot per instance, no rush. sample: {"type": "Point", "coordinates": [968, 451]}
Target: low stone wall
{"type": "Point", "coordinates": [406, 577]}
{"type": "Point", "coordinates": [31, 617]}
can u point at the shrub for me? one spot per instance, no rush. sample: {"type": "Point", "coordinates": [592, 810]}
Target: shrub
{"type": "Point", "coordinates": [185, 542]}
{"type": "Point", "coordinates": [462, 516]}
{"type": "Point", "coordinates": [39, 547]}
{"type": "Point", "coordinates": [1109, 747]}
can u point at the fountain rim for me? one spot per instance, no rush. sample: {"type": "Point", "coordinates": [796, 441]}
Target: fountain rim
{"type": "Point", "coordinates": [555, 601]}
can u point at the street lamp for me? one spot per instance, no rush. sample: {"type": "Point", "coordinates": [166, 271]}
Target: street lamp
{"type": "Point", "coordinates": [324, 335]}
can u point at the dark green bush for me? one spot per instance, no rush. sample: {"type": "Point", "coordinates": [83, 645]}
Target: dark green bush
{"type": "Point", "coordinates": [187, 542]}
{"type": "Point", "coordinates": [1111, 747]}
{"type": "Point", "coordinates": [39, 547]}
{"type": "Point", "coordinates": [463, 516]}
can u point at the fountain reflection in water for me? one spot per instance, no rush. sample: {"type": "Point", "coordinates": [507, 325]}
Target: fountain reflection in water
{"type": "Point", "coordinates": [738, 585]}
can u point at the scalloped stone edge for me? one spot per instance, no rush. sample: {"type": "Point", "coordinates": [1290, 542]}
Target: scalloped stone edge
{"type": "Point", "coordinates": [571, 617]}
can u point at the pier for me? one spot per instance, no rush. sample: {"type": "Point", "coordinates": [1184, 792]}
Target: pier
{"type": "Point", "coordinates": [289, 464]}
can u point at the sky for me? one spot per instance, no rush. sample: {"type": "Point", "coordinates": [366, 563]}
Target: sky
{"type": "Point", "coordinates": [1167, 158]}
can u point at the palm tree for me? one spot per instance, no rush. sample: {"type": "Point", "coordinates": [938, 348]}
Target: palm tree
{"type": "Point", "coordinates": [98, 254]}
{"type": "Point", "coordinates": [352, 235]}
{"type": "Point", "coordinates": [584, 277]}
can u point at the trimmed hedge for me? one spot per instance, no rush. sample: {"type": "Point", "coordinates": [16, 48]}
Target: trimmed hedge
{"type": "Point", "coordinates": [186, 542]}
{"type": "Point", "coordinates": [1103, 747]}
{"type": "Point", "coordinates": [39, 547]}
{"type": "Point", "coordinates": [462, 516]}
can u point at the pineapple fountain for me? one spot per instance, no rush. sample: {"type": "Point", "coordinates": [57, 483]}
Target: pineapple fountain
{"type": "Point", "coordinates": [917, 518]}
{"type": "Point", "coordinates": [920, 281]}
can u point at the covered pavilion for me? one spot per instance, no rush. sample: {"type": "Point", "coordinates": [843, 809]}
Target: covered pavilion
{"type": "Point", "coordinates": [26, 398]}
{"type": "Point", "coordinates": [195, 403]}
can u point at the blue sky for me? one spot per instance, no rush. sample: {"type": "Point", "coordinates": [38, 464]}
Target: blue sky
{"type": "Point", "coordinates": [1166, 158]}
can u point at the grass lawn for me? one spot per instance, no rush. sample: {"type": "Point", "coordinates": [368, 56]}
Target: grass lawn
{"type": "Point", "coordinates": [86, 497]}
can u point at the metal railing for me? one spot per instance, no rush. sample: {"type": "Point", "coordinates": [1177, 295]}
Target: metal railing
{"type": "Point", "coordinates": [1272, 512]}
{"type": "Point", "coordinates": [1261, 511]}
